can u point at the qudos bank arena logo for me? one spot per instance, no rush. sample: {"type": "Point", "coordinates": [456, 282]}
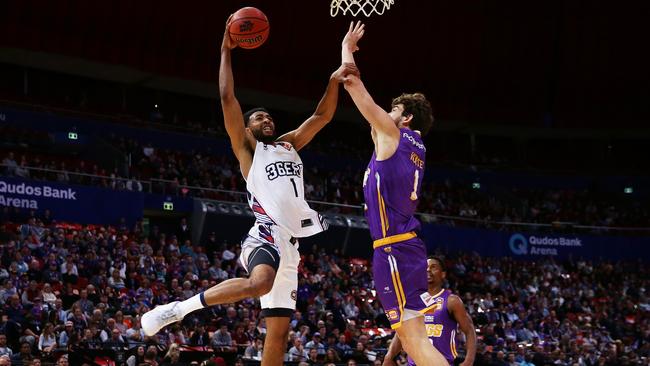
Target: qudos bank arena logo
{"type": "Point", "coordinates": [518, 244]}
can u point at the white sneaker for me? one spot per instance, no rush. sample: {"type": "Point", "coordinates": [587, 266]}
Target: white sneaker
{"type": "Point", "coordinates": [154, 320]}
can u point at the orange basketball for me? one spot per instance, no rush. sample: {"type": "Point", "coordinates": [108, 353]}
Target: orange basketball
{"type": "Point", "coordinates": [249, 27]}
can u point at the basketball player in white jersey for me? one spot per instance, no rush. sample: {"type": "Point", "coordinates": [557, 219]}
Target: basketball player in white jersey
{"type": "Point", "coordinates": [274, 179]}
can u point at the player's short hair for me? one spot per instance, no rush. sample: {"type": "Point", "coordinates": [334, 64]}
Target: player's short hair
{"type": "Point", "coordinates": [417, 105]}
{"type": "Point", "coordinates": [250, 112]}
{"type": "Point", "coordinates": [441, 261]}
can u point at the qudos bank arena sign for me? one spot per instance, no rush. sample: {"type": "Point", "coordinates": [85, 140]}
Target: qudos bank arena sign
{"type": "Point", "coordinates": [521, 244]}
{"type": "Point", "coordinates": [532, 246]}
{"type": "Point", "coordinates": [74, 203]}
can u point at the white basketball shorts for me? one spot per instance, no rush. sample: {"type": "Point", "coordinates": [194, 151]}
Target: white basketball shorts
{"type": "Point", "coordinates": [285, 286]}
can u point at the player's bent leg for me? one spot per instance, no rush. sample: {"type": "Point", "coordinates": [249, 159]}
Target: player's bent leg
{"type": "Point", "coordinates": [277, 332]}
{"type": "Point", "coordinates": [260, 282]}
{"type": "Point", "coordinates": [413, 335]}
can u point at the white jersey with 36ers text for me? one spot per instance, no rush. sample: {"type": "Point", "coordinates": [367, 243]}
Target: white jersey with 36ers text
{"type": "Point", "coordinates": [277, 193]}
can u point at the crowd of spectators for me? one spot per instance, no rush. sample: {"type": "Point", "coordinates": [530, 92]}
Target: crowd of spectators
{"type": "Point", "coordinates": [66, 287]}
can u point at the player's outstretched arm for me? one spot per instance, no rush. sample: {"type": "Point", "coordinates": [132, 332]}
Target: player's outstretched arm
{"type": "Point", "coordinates": [374, 114]}
{"type": "Point", "coordinates": [393, 350]}
{"type": "Point", "coordinates": [349, 45]}
{"type": "Point", "coordinates": [324, 112]}
{"type": "Point", "coordinates": [232, 113]}
{"type": "Point", "coordinates": [466, 325]}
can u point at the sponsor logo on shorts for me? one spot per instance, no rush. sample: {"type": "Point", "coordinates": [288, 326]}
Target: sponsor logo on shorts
{"type": "Point", "coordinates": [294, 295]}
{"type": "Point", "coordinates": [392, 314]}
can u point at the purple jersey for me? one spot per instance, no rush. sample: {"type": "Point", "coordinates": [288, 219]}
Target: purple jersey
{"type": "Point", "coordinates": [441, 327]}
{"type": "Point", "coordinates": [392, 188]}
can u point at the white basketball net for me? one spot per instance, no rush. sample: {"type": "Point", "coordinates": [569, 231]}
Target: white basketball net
{"type": "Point", "coordinates": [354, 7]}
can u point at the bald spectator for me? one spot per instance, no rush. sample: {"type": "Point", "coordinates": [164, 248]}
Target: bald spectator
{"type": "Point", "coordinates": [298, 351]}
{"type": "Point", "coordinates": [106, 333]}
{"type": "Point", "coordinates": [116, 341]}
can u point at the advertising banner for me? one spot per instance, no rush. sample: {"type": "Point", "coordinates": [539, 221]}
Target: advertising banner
{"type": "Point", "coordinates": [527, 245]}
{"type": "Point", "coordinates": [73, 203]}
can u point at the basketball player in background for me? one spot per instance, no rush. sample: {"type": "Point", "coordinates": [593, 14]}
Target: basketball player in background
{"type": "Point", "coordinates": [442, 320]}
{"type": "Point", "coordinates": [391, 188]}
{"type": "Point", "coordinates": [274, 179]}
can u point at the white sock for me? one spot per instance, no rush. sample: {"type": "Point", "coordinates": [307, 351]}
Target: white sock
{"type": "Point", "coordinates": [192, 304]}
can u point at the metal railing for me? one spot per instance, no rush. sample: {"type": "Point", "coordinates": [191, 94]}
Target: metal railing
{"type": "Point", "coordinates": [239, 195]}
{"type": "Point", "coordinates": [171, 187]}
{"type": "Point", "coordinates": [429, 217]}
{"type": "Point", "coordinates": [554, 225]}
{"type": "Point", "coordinates": [167, 184]}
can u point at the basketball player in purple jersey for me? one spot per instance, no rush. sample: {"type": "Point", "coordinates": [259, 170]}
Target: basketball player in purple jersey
{"type": "Point", "coordinates": [442, 320]}
{"type": "Point", "coordinates": [391, 187]}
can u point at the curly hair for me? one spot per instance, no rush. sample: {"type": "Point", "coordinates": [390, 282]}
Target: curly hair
{"type": "Point", "coordinates": [417, 105]}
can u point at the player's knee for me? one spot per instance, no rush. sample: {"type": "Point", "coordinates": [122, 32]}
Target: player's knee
{"type": "Point", "coordinates": [260, 286]}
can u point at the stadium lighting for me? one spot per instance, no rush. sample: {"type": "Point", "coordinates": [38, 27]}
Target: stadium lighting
{"type": "Point", "coordinates": [628, 190]}
{"type": "Point", "coordinates": [168, 206]}
{"type": "Point", "coordinates": [72, 136]}
{"type": "Point", "coordinates": [476, 185]}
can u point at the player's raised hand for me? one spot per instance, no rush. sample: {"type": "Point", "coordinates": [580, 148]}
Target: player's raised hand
{"type": "Point", "coordinates": [344, 71]}
{"type": "Point", "coordinates": [228, 42]}
{"type": "Point", "coordinates": [355, 32]}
